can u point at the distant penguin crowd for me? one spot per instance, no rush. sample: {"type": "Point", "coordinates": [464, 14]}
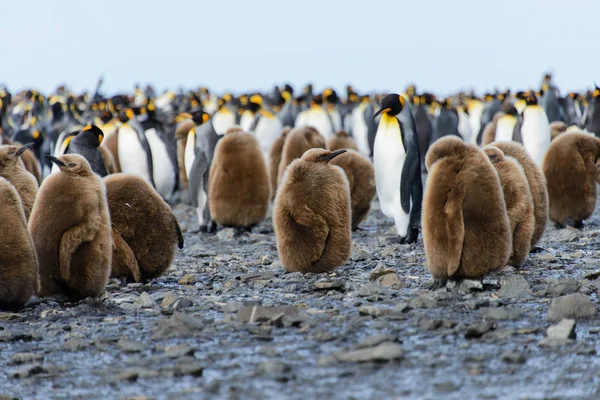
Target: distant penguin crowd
{"type": "Point", "coordinates": [87, 181]}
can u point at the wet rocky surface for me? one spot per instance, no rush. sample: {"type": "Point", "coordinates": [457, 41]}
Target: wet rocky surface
{"type": "Point", "coordinates": [227, 321]}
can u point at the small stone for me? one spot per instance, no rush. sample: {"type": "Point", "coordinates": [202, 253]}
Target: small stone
{"type": "Point", "coordinates": [329, 285]}
{"type": "Point", "coordinates": [372, 341]}
{"type": "Point", "coordinates": [372, 289]}
{"type": "Point", "coordinates": [145, 301]}
{"type": "Point", "coordinates": [25, 358]}
{"type": "Point", "coordinates": [272, 368]}
{"type": "Point", "coordinates": [514, 287]}
{"type": "Point", "coordinates": [389, 280]}
{"type": "Point", "coordinates": [565, 329]}
{"type": "Point", "coordinates": [446, 387]}
{"type": "Point", "coordinates": [386, 351]}
{"type": "Point", "coordinates": [399, 308]}
{"type": "Point", "coordinates": [430, 324]}
{"type": "Point", "coordinates": [262, 314]}
{"type": "Point", "coordinates": [75, 344]}
{"type": "Point", "coordinates": [226, 234]}
{"type": "Point", "coordinates": [592, 275]}
{"type": "Point", "coordinates": [465, 286]}
{"type": "Point", "coordinates": [513, 357]}
{"type": "Point", "coordinates": [563, 287]}
{"type": "Point", "coordinates": [573, 306]}
{"type": "Point", "coordinates": [169, 300]}
{"type": "Point", "coordinates": [187, 279]}
{"type": "Point", "coordinates": [562, 235]}
{"type": "Point", "coordinates": [372, 311]}
{"type": "Point", "coordinates": [424, 301]}
{"type": "Point", "coordinates": [359, 253]}
{"type": "Point", "coordinates": [478, 329]}
{"type": "Point", "coordinates": [182, 302]}
{"type": "Point", "coordinates": [179, 351]}
{"type": "Point", "coordinates": [178, 325]}
{"type": "Point", "coordinates": [130, 346]}
{"type": "Point", "coordinates": [380, 270]}
{"type": "Point", "coordinates": [550, 342]}
{"type": "Point", "coordinates": [28, 371]}
{"type": "Point", "coordinates": [500, 313]}
{"type": "Point", "coordinates": [189, 369]}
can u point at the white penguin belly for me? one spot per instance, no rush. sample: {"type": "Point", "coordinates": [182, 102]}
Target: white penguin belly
{"type": "Point", "coordinates": [360, 131]}
{"type": "Point", "coordinates": [222, 121]}
{"type": "Point", "coordinates": [464, 126]}
{"type": "Point", "coordinates": [162, 167]}
{"type": "Point", "coordinates": [475, 120]}
{"type": "Point", "coordinates": [535, 133]}
{"type": "Point", "coordinates": [300, 120]}
{"type": "Point", "coordinates": [132, 155]}
{"type": "Point", "coordinates": [202, 198]}
{"type": "Point", "coordinates": [59, 149]}
{"type": "Point", "coordinates": [190, 152]}
{"type": "Point", "coordinates": [505, 128]}
{"type": "Point", "coordinates": [336, 119]}
{"type": "Point", "coordinates": [388, 158]}
{"type": "Point", "coordinates": [319, 119]}
{"type": "Point", "coordinates": [246, 121]}
{"type": "Point", "coordinates": [267, 131]}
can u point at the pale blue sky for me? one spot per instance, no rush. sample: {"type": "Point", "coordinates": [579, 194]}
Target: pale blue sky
{"type": "Point", "coordinates": [240, 45]}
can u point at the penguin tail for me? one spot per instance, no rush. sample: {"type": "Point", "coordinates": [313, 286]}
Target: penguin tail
{"type": "Point", "coordinates": [179, 235]}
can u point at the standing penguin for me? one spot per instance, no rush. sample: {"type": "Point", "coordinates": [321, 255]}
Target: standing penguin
{"type": "Point", "coordinates": [135, 154]}
{"type": "Point", "coordinates": [519, 204]}
{"type": "Point", "coordinates": [18, 263]}
{"type": "Point", "coordinates": [363, 126]}
{"type": "Point", "coordinates": [361, 178]}
{"type": "Point", "coordinates": [298, 141]}
{"type": "Point", "coordinates": [275, 159]}
{"type": "Point", "coordinates": [593, 114]}
{"type": "Point", "coordinates": [341, 140]}
{"type": "Point", "coordinates": [423, 125]}
{"type": "Point", "coordinates": [466, 230]}
{"type": "Point", "coordinates": [267, 128]}
{"type": "Point", "coordinates": [311, 216]}
{"type": "Point", "coordinates": [239, 189]}
{"type": "Point", "coordinates": [11, 169]}
{"type": "Point", "coordinates": [317, 117]}
{"type": "Point", "coordinates": [206, 139]}
{"type": "Point", "coordinates": [535, 131]}
{"type": "Point", "coordinates": [398, 167]}
{"type": "Point", "coordinates": [145, 232]}
{"type": "Point", "coordinates": [570, 167]}
{"type": "Point", "coordinates": [446, 122]}
{"type": "Point", "coordinates": [507, 125]}
{"type": "Point", "coordinates": [537, 185]}
{"type": "Point", "coordinates": [493, 104]}
{"type": "Point", "coordinates": [475, 110]}
{"type": "Point", "coordinates": [71, 231]}
{"type": "Point", "coordinates": [86, 143]}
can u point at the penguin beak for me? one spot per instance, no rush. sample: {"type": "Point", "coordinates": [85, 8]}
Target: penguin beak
{"type": "Point", "coordinates": [382, 110]}
{"type": "Point", "coordinates": [23, 149]}
{"type": "Point", "coordinates": [56, 161]}
{"type": "Point", "coordinates": [334, 155]}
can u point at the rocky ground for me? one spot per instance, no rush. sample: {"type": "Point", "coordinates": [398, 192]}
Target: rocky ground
{"type": "Point", "coordinates": [228, 322]}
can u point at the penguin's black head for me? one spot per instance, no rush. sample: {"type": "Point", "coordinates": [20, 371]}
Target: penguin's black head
{"type": "Point", "coordinates": [521, 95]}
{"type": "Point", "coordinates": [330, 96]}
{"type": "Point", "coordinates": [392, 104]}
{"type": "Point", "coordinates": [531, 99]}
{"type": "Point", "coordinates": [91, 135]}
{"type": "Point", "coordinates": [596, 91]}
{"type": "Point", "coordinates": [509, 109]}
{"type": "Point", "coordinates": [317, 99]}
{"type": "Point", "coordinates": [126, 114]}
{"type": "Point", "coordinates": [200, 117]}
{"type": "Point", "coordinates": [446, 103]}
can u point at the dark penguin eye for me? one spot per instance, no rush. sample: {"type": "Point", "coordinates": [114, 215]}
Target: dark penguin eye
{"type": "Point", "coordinates": [71, 165]}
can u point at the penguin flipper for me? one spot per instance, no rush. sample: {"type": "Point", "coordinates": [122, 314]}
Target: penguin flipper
{"type": "Point", "coordinates": [371, 126]}
{"type": "Point", "coordinates": [70, 241]}
{"type": "Point", "coordinates": [125, 255]}
{"type": "Point", "coordinates": [455, 231]}
{"type": "Point", "coordinates": [517, 131]}
{"type": "Point", "coordinates": [410, 169]}
{"type": "Point", "coordinates": [306, 217]}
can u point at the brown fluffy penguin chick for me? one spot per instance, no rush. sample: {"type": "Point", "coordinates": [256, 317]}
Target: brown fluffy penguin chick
{"type": "Point", "coordinates": [181, 132]}
{"type": "Point", "coordinates": [298, 141]}
{"type": "Point", "coordinates": [557, 128]}
{"type": "Point", "coordinates": [537, 185]}
{"type": "Point", "coordinates": [31, 163]}
{"type": "Point", "coordinates": [238, 182]}
{"type": "Point", "coordinates": [109, 160]}
{"type": "Point", "coordinates": [275, 159]}
{"type": "Point", "coordinates": [361, 177]}
{"type": "Point", "coordinates": [519, 204]}
{"type": "Point", "coordinates": [71, 231]}
{"type": "Point", "coordinates": [572, 175]}
{"type": "Point", "coordinates": [18, 264]}
{"type": "Point", "coordinates": [466, 230]}
{"type": "Point", "coordinates": [311, 216]}
{"type": "Point", "coordinates": [489, 132]}
{"type": "Point", "coordinates": [145, 232]}
{"type": "Point", "coordinates": [12, 169]}
{"type": "Point", "coordinates": [341, 140]}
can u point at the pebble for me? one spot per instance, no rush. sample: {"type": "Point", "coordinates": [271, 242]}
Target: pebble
{"type": "Point", "coordinates": [169, 300]}
{"type": "Point", "coordinates": [372, 341]}
{"type": "Point", "coordinates": [478, 329]}
{"type": "Point", "coordinates": [389, 280]}
{"type": "Point", "coordinates": [130, 346]}
{"type": "Point", "coordinates": [514, 287]}
{"type": "Point", "coordinates": [145, 301]}
{"type": "Point", "coordinates": [372, 311]}
{"type": "Point", "coordinates": [573, 306]}
{"type": "Point", "coordinates": [272, 368]}
{"type": "Point", "coordinates": [424, 301]}
{"type": "Point", "coordinates": [372, 289]}
{"type": "Point", "coordinates": [187, 279]}
{"type": "Point", "coordinates": [178, 325]}
{"type": "Point", "coordinates": [226, 234]}
{"type": "Point", "coordinates": [465, 286]}
{"type": "Point", "coordinates": [380, 270]}
{"type": "Point", "coordinates": [561, 235]}
{"type": "Point", "coordinates": [75, 344]}
{"type": "Point", "coordinates": [179, 351]}
{"type": "Point", "coordinates": [329, 285]}
{"type": "Point", "coordinates": [500, 313]}
{"type": "Point", "coordinates": [25, 358]}
{"type": "Point", "coordinates": [513, 357]}
{"type": "Point", "coordinates": [28, 371]}
{"type": "Point", "coordinates": [563, 287]}
{"type": "Point", "coordinates": [565, 329]}
{"type": "Point", "coordinates": [386, 351]}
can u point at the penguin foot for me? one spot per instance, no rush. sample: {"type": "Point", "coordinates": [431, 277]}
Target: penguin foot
{"type": "Point", "coordinates": [437, 284]}
{"type": "Point", "coordinates": [203, 229]}
{"type": "Point", "coordinates": [412, 236]}
{"type": "Point", "coordinates": [212, 227]}
{"type": "Point", "coordinates": [536, 249]}
{"type": "Point", "coordinates": [578, 224]}
{"type": "Point", "coordinates": [558, 225]}
{"type": "Point", "coordinates": [240, 230]}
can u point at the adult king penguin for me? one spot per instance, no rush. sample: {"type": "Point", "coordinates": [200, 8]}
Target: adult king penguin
{"type": "Point", "coordinates": [535, 131]}
{"type": "Point", "coordinates": [398, 167]}
{"type": "Point", "coordinates": [363, 126]}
